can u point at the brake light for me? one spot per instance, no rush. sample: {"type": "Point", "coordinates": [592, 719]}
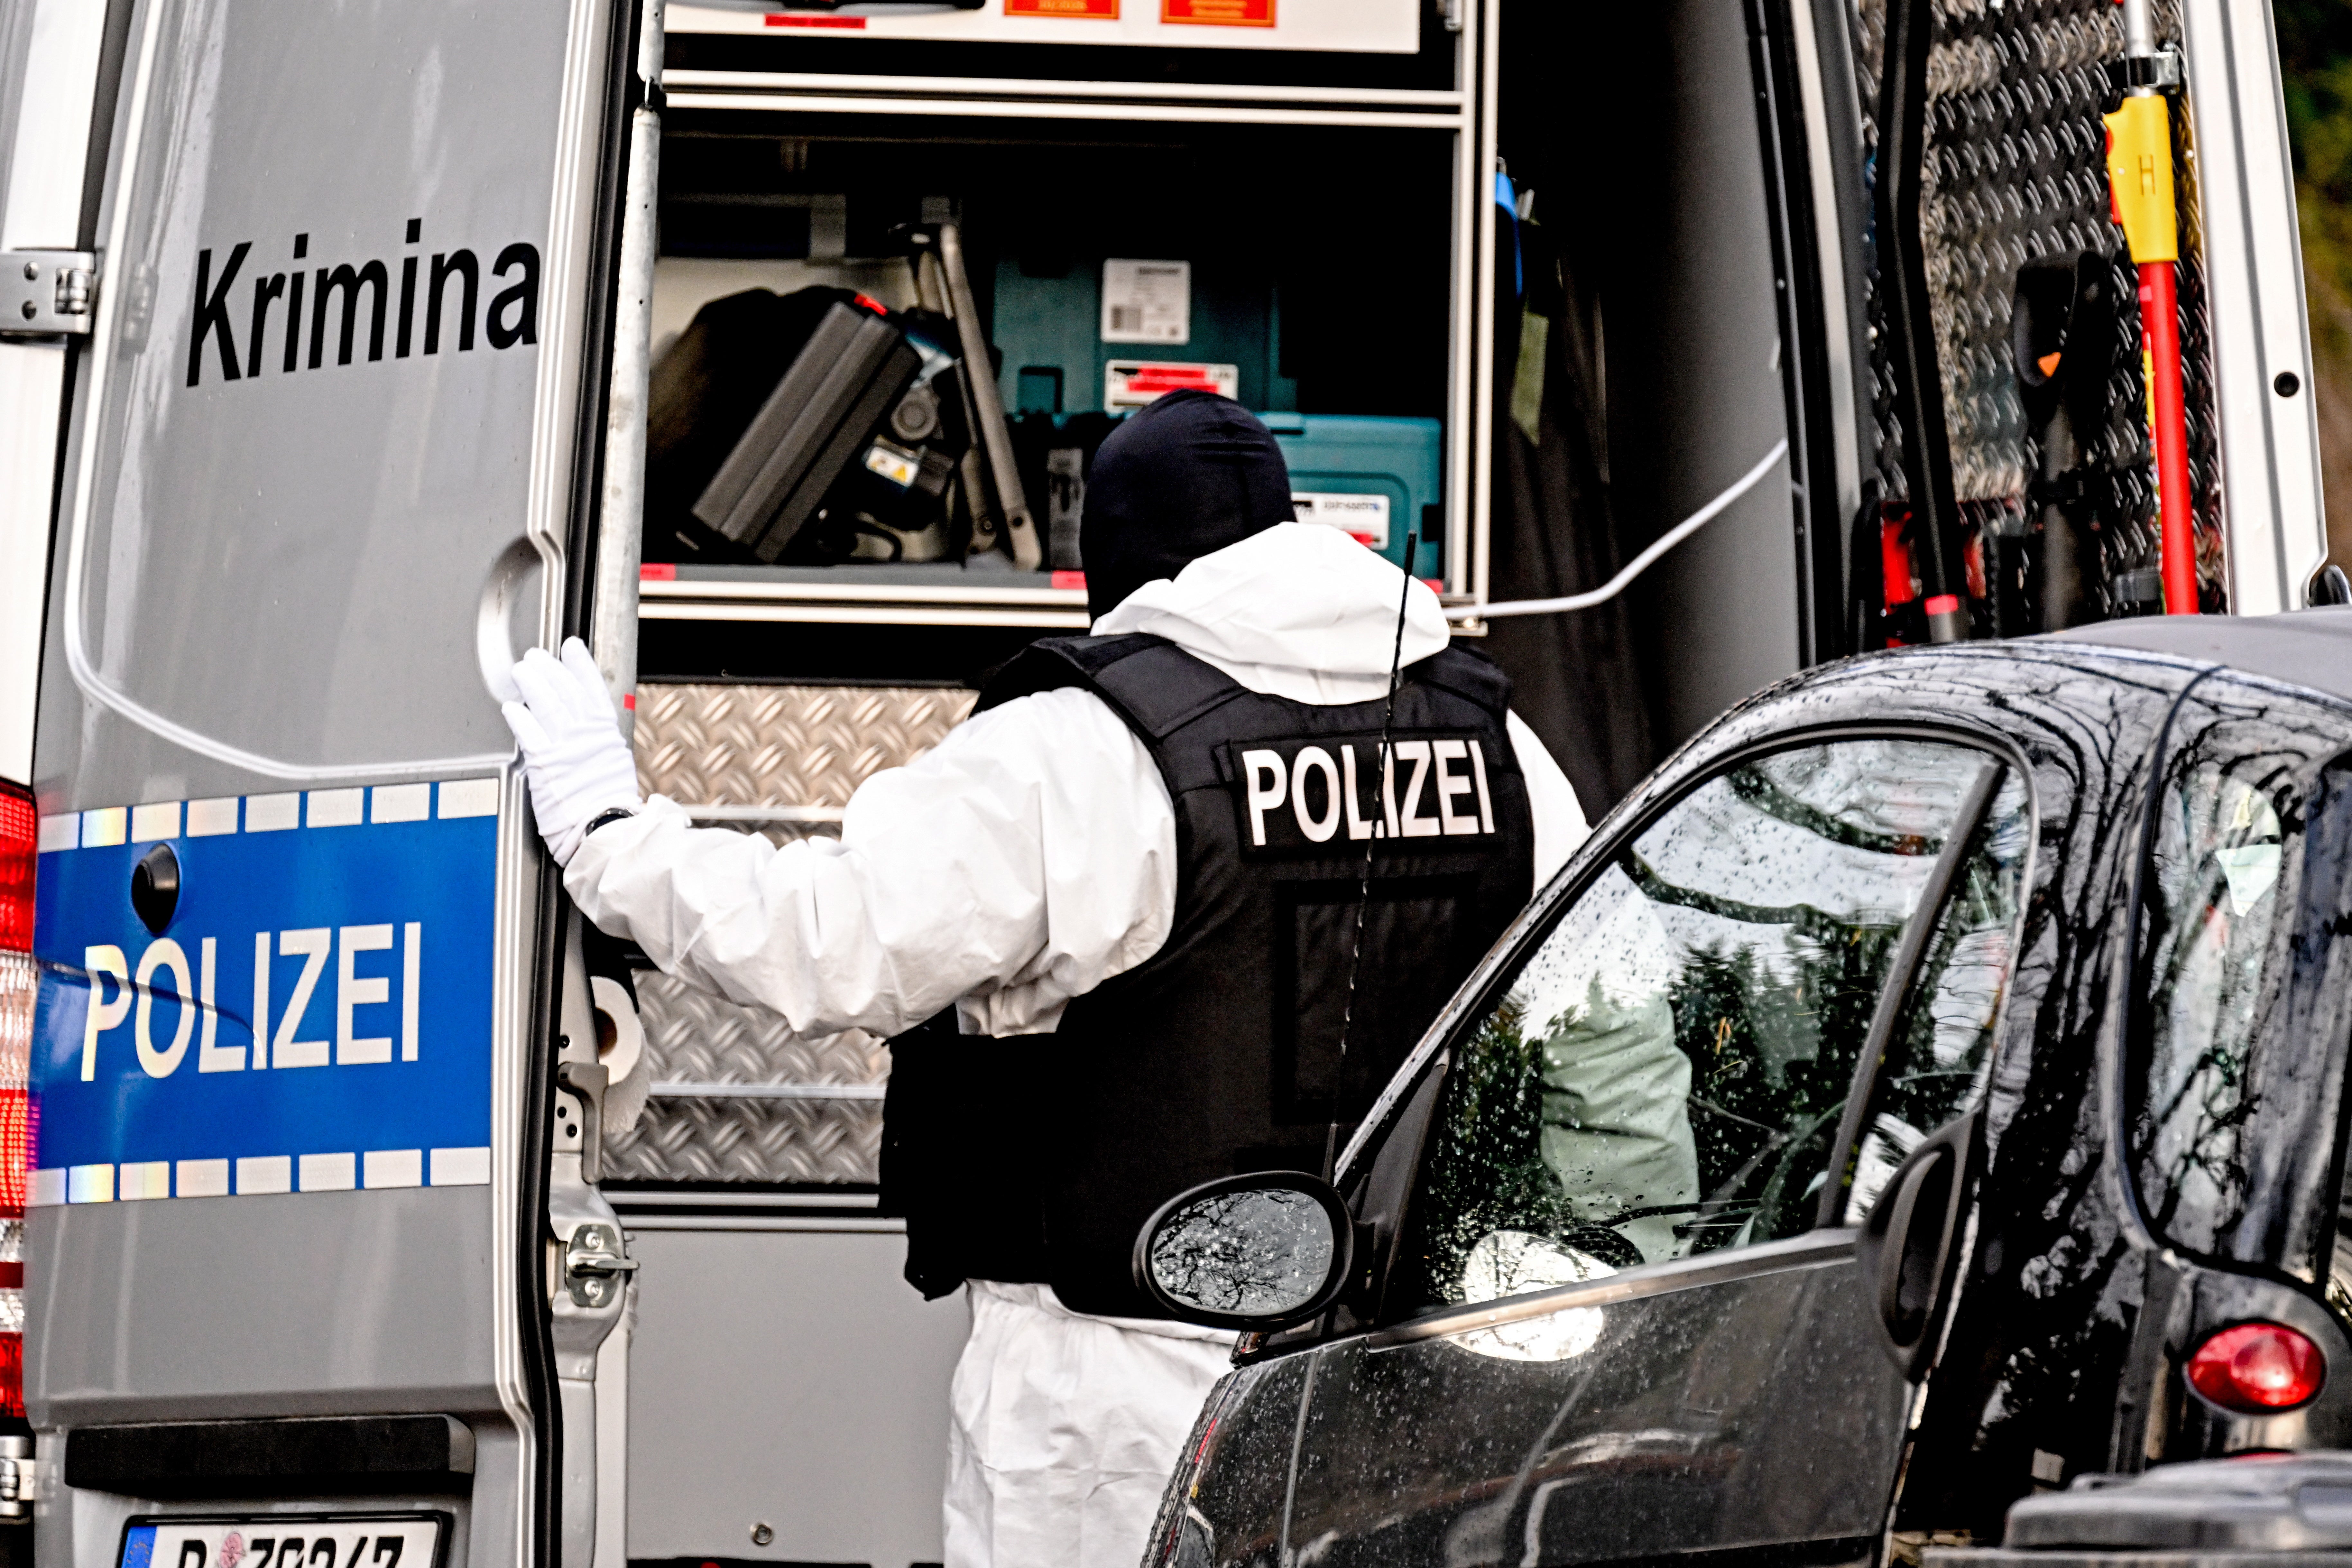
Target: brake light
{"type": "Point", "coordinates": [16, 836]}
{"type": "Point", "coordinates": [17, 858]}
{"type": "Point", "coordinates": [2258, 1369]}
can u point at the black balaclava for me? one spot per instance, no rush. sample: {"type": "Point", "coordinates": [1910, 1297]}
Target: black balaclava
{"type": "Point", "coordinates": [1189, 473]}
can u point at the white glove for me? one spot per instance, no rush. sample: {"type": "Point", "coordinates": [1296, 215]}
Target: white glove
{"type": "Point", "coordinates": [573, 753]}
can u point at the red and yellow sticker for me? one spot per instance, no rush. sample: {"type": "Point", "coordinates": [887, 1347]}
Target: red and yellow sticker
{"type": "Point", "coordinates": [1219, 13]}
{"type": "Point", "coordinates": [1097, 10]}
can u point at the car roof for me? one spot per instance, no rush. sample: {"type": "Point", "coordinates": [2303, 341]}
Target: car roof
{"type": "Point", "coordinates": [2302, 648]}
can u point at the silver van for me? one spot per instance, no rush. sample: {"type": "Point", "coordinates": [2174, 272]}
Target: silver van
{"type": "Point", "coordinates": [376, 1212]}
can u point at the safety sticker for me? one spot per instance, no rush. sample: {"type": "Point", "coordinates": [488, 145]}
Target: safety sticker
{"type": "Point", "coordinates": [1130, 383]}
{"type": "Point", "coordinates": [896, 464]}
{"type": "Point", "coordinates": [1364, 516]}
{"type": "Point", "coordinates": [1106, 10]}
{"type": "Point", "coordinates": [1146, 301]}
{"type": "Point", "coordinates": [1219, 13]}
{"type": "Point", "coordinates": [266, 994]}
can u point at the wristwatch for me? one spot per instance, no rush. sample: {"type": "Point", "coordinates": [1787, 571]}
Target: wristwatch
{"type": "Point", "coordinates": [617, 814]}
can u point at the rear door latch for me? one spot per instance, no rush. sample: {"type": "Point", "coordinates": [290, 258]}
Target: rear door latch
{"type": "Point", "coordinates": [43, 293]}
{"type": "Point", "coordinates": [595, 1259]}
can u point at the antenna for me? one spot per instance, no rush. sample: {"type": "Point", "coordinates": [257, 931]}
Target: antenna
{"type": "Point", "coordinates": [1380, 765]}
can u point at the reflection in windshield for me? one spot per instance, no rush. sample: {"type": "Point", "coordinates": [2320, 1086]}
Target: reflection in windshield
{"type": "Point", "coordinates": [1506, 1263]}
{"type": "Point", "coordinates": [2220, 847]}
{"type": "Point", "coordinates": [1616, 1123]}
{"type": "Point", "coordinates": [1666, 1074]}
{"type": "Point", "coordinates": [1942, 1046]}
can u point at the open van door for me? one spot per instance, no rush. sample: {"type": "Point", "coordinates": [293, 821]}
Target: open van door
{"type": "Point", "coordinates": [298, 1297]}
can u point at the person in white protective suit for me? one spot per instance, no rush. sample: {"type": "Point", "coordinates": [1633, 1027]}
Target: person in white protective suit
{"type": "Point", "coordinates": [1113, 924]}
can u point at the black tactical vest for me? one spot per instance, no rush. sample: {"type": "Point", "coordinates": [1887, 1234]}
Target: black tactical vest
{"type": "Point", "coordinates": [1037, 1158]}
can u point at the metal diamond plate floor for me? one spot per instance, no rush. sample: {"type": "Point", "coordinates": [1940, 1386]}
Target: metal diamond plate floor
{"type": "Point", "coordinates": [800, 749]}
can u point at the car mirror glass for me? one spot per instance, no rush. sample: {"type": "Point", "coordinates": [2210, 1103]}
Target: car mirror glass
{"type": "Point", "coordinates": [1255, 1251]}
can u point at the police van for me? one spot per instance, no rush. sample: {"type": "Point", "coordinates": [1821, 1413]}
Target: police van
{"type": "Point", "coordinates": [373, 1209]}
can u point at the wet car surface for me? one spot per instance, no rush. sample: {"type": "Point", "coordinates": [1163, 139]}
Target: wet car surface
{"type": "Point", "coordinates": [1625, 1285]}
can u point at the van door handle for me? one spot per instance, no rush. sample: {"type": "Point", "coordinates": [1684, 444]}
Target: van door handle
{"type": "Point", "coordinates": [588, 1083]}
{"type": "Point", "coordinates": [1909, 1245]}
{"type": "Point", "coordinates": [506, 620]}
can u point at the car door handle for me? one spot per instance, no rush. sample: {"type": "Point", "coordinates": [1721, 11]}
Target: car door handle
{"type": "Point", "coordinates": [1910, 1242]}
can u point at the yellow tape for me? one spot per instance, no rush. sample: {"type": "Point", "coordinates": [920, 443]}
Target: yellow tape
{"type": "Point", "coordinates": [2139, 174]}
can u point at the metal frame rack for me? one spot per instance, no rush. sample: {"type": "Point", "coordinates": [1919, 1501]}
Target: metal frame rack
{"type": "Point", "coordinates": [1464, 110]}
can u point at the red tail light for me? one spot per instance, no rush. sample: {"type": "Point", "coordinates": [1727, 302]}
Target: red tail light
{"type": "Point", "coordinates": [16, 869]}
{"type": "Point", "coordinates": [17, 976]}
{"type": "Point", "coordinates": [2258, 1369]}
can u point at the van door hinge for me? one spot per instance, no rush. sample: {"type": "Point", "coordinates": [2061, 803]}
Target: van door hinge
{"type": "Point", "coordinates": [16, 1477]}
{"type": "Point", "coordinates": [595, 1259]}
{"type": "Point", "coordinates": [43, 293]}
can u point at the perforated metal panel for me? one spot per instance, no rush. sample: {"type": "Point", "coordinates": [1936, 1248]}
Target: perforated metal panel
{"type": "Point", "coordinates": [2015, 173]}
{"type": "Point", "coordinates": [801, 749]}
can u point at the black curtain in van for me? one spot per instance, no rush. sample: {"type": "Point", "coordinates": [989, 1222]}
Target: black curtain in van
{"type": "Point", "coordinates": [1575, 678]}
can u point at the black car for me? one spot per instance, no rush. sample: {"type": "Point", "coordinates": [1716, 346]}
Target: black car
{"type": "Point", "coordinates": [1922, 1090]}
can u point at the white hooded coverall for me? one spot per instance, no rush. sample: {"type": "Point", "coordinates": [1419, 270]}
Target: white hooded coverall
{"type": "Point", "coordinates": [1026, 859]}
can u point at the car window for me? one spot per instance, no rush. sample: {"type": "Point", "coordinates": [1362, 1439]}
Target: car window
{"type": "Point", "coordinates": [1667, 1072]}
{"type": "Point", "coordinates": [2215, 903]}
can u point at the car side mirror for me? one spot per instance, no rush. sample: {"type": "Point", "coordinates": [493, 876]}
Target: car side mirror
{"type": "Point", "coordinates": [1258, 1252]}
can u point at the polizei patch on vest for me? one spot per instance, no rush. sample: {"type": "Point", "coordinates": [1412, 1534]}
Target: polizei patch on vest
{"type": "Point", "coordinates": [1307, 796]}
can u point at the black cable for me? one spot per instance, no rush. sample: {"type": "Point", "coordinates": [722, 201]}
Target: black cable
{"type": "Point", "coordinates": [1380, 773]}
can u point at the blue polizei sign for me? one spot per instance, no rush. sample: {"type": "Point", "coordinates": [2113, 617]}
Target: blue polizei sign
{"type": "Point", "coordinates": [315, 1015]}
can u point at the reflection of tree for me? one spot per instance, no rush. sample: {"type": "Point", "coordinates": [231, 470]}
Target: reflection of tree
{"type": "Point", "coordinates": [1944, 1036]}
{"type": "Point", "coordinates": [1488, 1168]}
{"type": "Point", "coordinates": [1254, 1251]}
{"type": "Point", "coordinates": [1757, 789]}
{"type": "Point", "coordinates": [1771, 1012]}
{"type": "Point", "coordinates": [1486, 1164]}
{"type": "Point", "coordinates": [2198, 1077]}
{"type": "Point", "coordinates": [1765, 1093]}
{"type": "Point", "coordinates": [1751, 1018]}
{"type": "Point", "coordinates": [2200, 1122]}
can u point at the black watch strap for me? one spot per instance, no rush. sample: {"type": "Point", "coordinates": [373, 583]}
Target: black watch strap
{"type": "Point", "coordinates": [617, 814]}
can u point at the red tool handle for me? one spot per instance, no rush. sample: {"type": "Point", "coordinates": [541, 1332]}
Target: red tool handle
{"type": "Point", "coordinates": [2159, 316]}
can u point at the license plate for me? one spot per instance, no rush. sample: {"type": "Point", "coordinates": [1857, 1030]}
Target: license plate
{"type": "Point", "coordinates": [286, 1541]}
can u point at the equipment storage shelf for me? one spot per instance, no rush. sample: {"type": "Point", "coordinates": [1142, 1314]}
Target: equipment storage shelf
{"type": "Point", "coordinates": [1294, 227]}
{"type": "Point", "coordinates": [1351, 48]}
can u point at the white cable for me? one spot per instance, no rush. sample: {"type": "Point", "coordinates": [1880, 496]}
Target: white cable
{"type": "Point", "coordinates": [1641, 563]}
